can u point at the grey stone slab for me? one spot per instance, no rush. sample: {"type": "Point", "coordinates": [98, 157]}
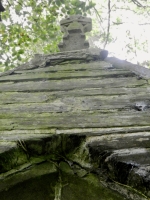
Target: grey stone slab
{"type": "Point", "coordinates": [61, 85]}
{"type": "Point", "coordinates": [137, 69]}
{"type": "Point", "coordinates": [139, 93]}
{"type": "Point", "coordinates": [71, 120]}
{"type": "Point", "coordinates": [66, 75]}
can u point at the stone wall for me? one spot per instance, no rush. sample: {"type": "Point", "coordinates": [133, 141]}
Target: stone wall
{"type": "Point", "coordinates": [74, 126]}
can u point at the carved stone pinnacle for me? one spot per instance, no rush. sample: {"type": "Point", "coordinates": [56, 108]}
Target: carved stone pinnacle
{"type": "Point", "coordinates": [74, 28]}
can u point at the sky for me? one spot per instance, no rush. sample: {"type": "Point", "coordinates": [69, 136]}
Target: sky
{"type": "Point", "coordinates": [134, 30]}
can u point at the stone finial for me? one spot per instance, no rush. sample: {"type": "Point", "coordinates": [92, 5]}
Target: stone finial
{"type": "Point", "coordinates": [74, 28]}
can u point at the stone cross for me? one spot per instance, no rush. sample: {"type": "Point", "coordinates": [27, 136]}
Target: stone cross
{"type": "Point", "coordinates": [74, 28]}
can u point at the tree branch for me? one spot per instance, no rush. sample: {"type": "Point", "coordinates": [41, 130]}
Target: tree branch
{"type": "Point", "coordinates": [138, 3]}
{"type": "Point", "coordinates": [108, 25]}
{"type": "Point", "coordinates": [100, 20]}
{"type": "Point", "coordinates": [8, 3]}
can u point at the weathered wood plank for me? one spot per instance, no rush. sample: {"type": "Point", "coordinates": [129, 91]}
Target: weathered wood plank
{"type": "Point", "coordinates": [4, 138]}
{"type": "Point", "coordinates": [61, 85]}
{"type": "Point", "coordinates": [71, 67]}
{"type": "Point", "coordinates": [41, 97]}
{"type": "Point", "coordinates": [120, 141]}
{"type": "Point", "coordinates": [66, 75]}
{"type": "Point", "coordinates": [25, 97]}
{"type": "Point", "coordinates": [136, 156]}
{"type": "Point", "coordinates": [74, 120]}
{"type": "Point", "coordinates": [33, 132]}
{"type": "Point", "coordinates": [102, 131]}
{"type": "Point", "coordinates": [7, 146]}
{"type": "Point", "coordinates": [74, 104]}
{"type": "Point", "coordinates": [140, 70]}
{"type": "Point", "coordinates": [81, 131]}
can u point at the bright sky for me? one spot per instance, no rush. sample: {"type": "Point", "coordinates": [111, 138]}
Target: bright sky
{"type": "Point", "coordinates": [131, 23]}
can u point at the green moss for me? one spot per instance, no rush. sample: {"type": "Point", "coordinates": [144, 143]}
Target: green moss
{"type": "Point", "coordinates": [39, 188]}
{"type": "Point", "coordinates": [12, 158]}
{"type": "Point", "coordinates": [89, 188]}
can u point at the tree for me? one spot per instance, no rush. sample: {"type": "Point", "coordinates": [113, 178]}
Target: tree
{"type": "Point", "coordinates": [32, 26]}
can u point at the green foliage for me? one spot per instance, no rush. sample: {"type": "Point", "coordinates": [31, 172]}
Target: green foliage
{"type": "Point", "coordinates": [32, 26]}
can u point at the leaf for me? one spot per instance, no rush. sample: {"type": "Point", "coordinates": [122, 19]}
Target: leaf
{"type": "Point", "coordinates": [14, 53]}
{"type": "Point", "coordinates": [63, 10]}
{"type": "Point", "coordinates": [18, 8]}
{"type": "Point", "coordinates": [18, 57]}
{"type": "Point", "coordinates": [35, 40]}
{"type": "Point", "coordinates": [21, 51]}
{"type": "Point", "coordinates": [58, 2]}
{"type": "Point", "coordinates": [82, 5]}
